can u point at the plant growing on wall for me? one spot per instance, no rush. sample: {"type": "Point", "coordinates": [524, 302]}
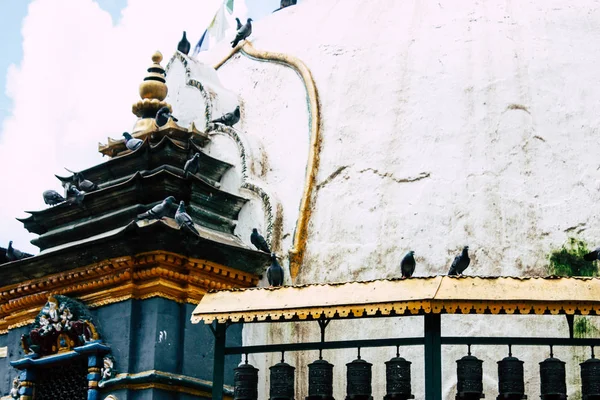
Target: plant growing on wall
{"type": "Point", "coordinates": [568, 260]}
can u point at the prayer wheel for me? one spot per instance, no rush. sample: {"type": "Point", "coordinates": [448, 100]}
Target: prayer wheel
{"type": "Point", "coordinates": [397, 374]}
{"type": "Point", "coordinates": [469, 373]}
{"type": "Point", "coordinates": [282, 382]}
{"type": "Point", "coordinates": [320, 380]}
{"type": "Point", "coordinates": [553, 384]}
{"type": "Point", "coordinates": [511, 384]}
{"type": "Point", "coordinates": [245, 382]}
{"type": "Point", "coordinates": [358, 380]}
{"type": "Point", "coordinates": [590, 379]}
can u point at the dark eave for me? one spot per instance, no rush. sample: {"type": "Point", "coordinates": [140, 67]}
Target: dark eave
{"type": "Point", "coordinates": [177, 133]}
{"type": "Point", "coordinates": [151, 155]}
{"type": "Point", "coordinates": [140, 189]}
{"type": "Point", "coordinates": [136, 238]}
{"type": "Point", "coordinates": [116, 219]}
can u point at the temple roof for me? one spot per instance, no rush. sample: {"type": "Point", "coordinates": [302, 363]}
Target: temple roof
{"type": "Point", "coordinates": [120, 203]}
{"type": "Point", "coordinates": [437, 294]}
{"type": "Point", "coordinates": [152, 155]}
{"type": "Point", "coordinates": [135, 238]}
{"type": "Point", "coordinates": [171, 129]}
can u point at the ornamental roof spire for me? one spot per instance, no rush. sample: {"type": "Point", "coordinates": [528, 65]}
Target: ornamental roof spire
{"type": "Point", "coordinates": [153, 90]}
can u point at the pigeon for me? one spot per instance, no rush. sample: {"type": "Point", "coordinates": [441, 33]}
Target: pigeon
{"type": "Point", "coordinates": [460, 263]}
{"type": "Point", "coordinates": [258, 241]}
{"type": "Point", "coordinates": [594, 255]}
{"type": "Point", "coordinates": [132, 143]}
{"type": "Point", "coordinates": [84, 184]}
{"type": "Point", "coordinates": [239, 24]}
{"type": "Point", "coordinates": [74, 195]}
{"type": "Point", "coordinates": [163, 115]}
{"type": "Point", "coordinates": [13, 254]}
{"type": "Point", "coordinates": [242, 33]}
{"type": "Point", "coordinates": [184, 220]}
{"type": "Point", "coordinates": [407, 266]}
{"type": "Point", "coordinates": [191, 165]}
{"type": "Point", "coordinates": [275, 272]}
{"type": "Point", "coordinates": [52, 197]}
{"type": "Point", "coordinates": [229, 119]}
{"type": "Point", "coordinates": [184, 45]}
{"type": "Point", "coordinates": [158, 211]}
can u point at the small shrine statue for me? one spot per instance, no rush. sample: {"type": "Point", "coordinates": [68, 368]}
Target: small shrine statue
{"type": "Point", "coordinates": [65, 317]}
{"type": "Point", "coordinates": [53, 309]}
{"type": "Point", "coordinates": [62, 324]}
{"type": "Point", "coordinates": [14, 391]}
{"type": "Point", "coordinates": [107, 370]}
{"type": "Point", "coordinates": [45, 326]}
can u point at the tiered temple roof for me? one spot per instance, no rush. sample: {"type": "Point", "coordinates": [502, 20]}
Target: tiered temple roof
{"type": "Point", "coordinates": [105, 224]}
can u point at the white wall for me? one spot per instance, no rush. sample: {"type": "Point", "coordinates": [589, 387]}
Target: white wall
{"type": "Point", "coordinates": [449, 123]}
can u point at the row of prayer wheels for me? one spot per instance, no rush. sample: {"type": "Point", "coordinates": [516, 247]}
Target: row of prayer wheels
{"type": "Point", "coordinates": [511, 385]}
{"type": "Point", "coordinates": [511, 382]}
{"type": "Point", "coordinates": [320, 380]}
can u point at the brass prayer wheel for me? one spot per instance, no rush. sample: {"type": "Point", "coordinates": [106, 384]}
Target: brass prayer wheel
{"type": "Point", "coordinates": [320, 380]}
{"type": "Point", "coordinates": [469, 373]}
{"type": "Point", "coordinates": [245, 382]}
{"type": "Point", "coordinates": [358, 380]}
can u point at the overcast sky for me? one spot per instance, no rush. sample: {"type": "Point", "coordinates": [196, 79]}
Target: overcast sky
{"type": "Point", "coordinates": [69, 72]}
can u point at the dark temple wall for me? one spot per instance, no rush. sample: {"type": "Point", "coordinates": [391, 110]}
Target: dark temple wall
{"type": "Point", "coordinates": [145, 335]}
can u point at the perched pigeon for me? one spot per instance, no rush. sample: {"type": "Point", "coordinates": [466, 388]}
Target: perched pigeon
{"type": "Point", "coordinates": [74, 195]}
{"type": "Point", "coordinates": [160, 210]}
{"type": "Point", "coordinates": [229, 119]}
{"type": "Point", "coordinates": [242, 33]}
{"type": "Point", "coordinates": [163, 115]}
{"type": "Point", "coordinates": [594, 255]}
{"type": "Point", "coordinates": [460, 263]}
{"type": "Point", "coordinates": [84, 184]}
{"type": "Point", "coordinates": [258, 241]}
{"type": "Point", "coordinates": [184, 45]}
{"type": "Point", "coordinates": [407, 266]}
{"type": "Point", "coordinates": [191, 165]}
{"type": "Point", "coordinates": [275, 272]}
{"type": "Point", "coordinates": [52, 197]}
{"type": "Point", "coordinates": [13, 254]}
{"type": "Point", "coordinates": [184, 220]}
{"type": "Point", "coordinates": [239, 24]}
{"type": "Point", "coordinates": [132, 143]}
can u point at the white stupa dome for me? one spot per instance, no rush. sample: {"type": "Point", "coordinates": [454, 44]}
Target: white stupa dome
{"type": "Point", "coordinates": [442, 124]}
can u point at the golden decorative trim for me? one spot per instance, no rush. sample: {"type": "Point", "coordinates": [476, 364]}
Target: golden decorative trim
{"type": "Point", "coordinates": [436, 295]}
{"type": "Point", "coordinates": [146, 275]}
{"type": "Point", "coordinates": [298, 249]}
{"type": "Point", "coordinates": [92, 384]}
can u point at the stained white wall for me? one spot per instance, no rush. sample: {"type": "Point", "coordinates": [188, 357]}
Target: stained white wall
{"type": "Point", "coordinates": [444, 124]}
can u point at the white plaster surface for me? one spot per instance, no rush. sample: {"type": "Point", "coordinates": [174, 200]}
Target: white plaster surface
{"type": "Point", "coordinates": [444, 124]}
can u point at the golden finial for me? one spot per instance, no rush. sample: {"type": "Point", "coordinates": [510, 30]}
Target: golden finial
{"type": "Point", "coordinates": [157, 57]}
{"type": "Point", "coordinates": [153, 90]}
{"type": "Point", "coordinates": [154, 86]}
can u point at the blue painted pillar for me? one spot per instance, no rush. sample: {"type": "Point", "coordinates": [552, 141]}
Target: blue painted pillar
{"type": "Point", "coordinates": [433, 357]}
{"type": "Point", "coordinates": [27, 378]}
{"type": "Point", "coordinates": [94, 375]}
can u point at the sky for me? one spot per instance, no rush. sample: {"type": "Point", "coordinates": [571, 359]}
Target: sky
{"type": "Point", "coordinates": [69, 73]}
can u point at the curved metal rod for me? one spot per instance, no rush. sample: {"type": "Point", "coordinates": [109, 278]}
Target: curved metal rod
{"type": "Point", "coordinates": [296, 253]}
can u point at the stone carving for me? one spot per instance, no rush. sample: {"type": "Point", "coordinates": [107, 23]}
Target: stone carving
{"type": "Point", "coordinates": [108, 368]}
{"type": "Point", "coordinates": [62, 324]}
{"type": "Point", "coordinates": [14, 391]}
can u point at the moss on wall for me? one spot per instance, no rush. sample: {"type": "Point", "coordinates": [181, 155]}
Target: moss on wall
{"type": "Point", "coordinates": [583, 327]}
{"type": "Point", "coordinates": [568, 261]}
